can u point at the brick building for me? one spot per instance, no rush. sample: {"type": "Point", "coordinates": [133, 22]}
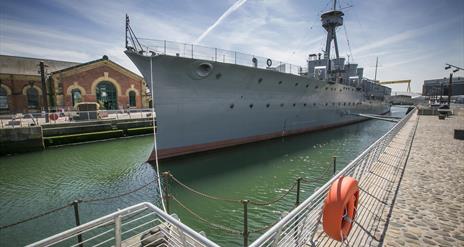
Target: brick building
{"type": "Point", "coordinates": [102, 81]}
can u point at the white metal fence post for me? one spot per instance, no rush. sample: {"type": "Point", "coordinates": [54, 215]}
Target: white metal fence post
{"type": "Point", "coordinates": [117, 231]}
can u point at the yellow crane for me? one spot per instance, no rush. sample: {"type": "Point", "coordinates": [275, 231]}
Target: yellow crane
{"type": "Point", "coordinates": [397, 82]}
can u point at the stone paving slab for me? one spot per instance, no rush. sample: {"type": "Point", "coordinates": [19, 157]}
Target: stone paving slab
{"type": "Point", "coordinates": [429, 209]}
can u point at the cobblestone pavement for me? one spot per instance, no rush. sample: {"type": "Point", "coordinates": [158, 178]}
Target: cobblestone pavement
{"type": "Point", "coordinates": [429, 209]}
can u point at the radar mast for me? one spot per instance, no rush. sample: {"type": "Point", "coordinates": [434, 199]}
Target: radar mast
{"type": "Point", "coordinates": [330, 21]}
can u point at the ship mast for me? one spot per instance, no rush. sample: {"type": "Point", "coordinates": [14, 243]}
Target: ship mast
{"type": "Point", "coordinates": [330, 21]}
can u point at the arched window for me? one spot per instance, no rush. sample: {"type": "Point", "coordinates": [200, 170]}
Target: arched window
{"type": "Point", "coordinates": [132, 101]}
{"type": "Point", "coordinates": [76, 96]}
{"type": "Point", "coordinates": [32, 98]}
{"type": "Point", "coordinates": [3, 99]}
{"type": "Point", "coordinates": [107, 95]}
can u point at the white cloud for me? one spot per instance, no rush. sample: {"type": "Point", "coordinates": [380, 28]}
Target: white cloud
{"type": "Point", "coordinates": [24, 49]}
{"type": "Point", "coordinates": [403, 36]}
{"type": "Point", "coordinates": [229, 11]}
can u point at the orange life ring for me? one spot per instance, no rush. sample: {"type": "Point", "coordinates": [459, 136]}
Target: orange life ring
{"type": "Point", "coordinates": [339, 209]}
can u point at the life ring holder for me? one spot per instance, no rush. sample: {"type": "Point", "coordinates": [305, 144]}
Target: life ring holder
{"type": "Point", "coordinates": [269, 62]}
{"type": "Point", "coordinates": [255, 62]}
{"type": "Point", "coordinates": [339, 210]}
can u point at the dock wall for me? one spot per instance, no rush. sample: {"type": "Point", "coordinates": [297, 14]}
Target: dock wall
{"type": "Point", "coordinates": [21, 140]}
{"type": "Point", "coordinates": [32, 138]}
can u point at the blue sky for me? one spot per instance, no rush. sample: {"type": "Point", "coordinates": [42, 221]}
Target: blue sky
{"type": "Point", "coordinates": [413, 39]}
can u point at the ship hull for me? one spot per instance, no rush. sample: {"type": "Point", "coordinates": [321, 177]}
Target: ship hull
{"type": "Point", "coordinates": [235, 104]}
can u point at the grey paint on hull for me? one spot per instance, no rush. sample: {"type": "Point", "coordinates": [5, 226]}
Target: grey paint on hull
{"type": "Point", "coordinates": [236, 101]}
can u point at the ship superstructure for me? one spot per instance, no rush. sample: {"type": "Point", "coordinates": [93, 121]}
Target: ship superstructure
{"type": "Point", "coordinates": [208, 98]}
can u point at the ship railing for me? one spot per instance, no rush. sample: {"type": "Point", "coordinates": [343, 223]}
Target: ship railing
{"type": "Point", "coordinates": [172, 48]}
{"type": "Point", "coordinates": [68, 116]}
{"type": "Point", "coordinates": [299, 226]}
{"type": "Point", "coordinates": [140, 225]}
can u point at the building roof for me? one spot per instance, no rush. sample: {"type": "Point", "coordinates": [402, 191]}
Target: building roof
{"type": "Point", "coordinates": [30, 66]}
{"type": "Point", "coordinates": [104, 60]}
{"type": "Point", "coordinates": [456, 79]}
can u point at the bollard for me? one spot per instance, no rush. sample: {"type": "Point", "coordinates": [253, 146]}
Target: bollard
{"type": "Point", "coordinates": [334, 164]}
{"type": "Point", "coordinates": [245, 222]}
{"type": "Point", "coordinates": [165, 189]}
{"type": "Point", "coordinates": [298, 182]}
{"type": "Point", "coordinates": [78, 221]}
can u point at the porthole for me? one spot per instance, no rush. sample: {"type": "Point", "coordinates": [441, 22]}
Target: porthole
{"type": "Point", "coordinates": [267, 105]}
{"type": "Point", "coordinates": [231, 106]}
{"type": "Point", "coordinates": [344, 103]}
{"type": "Point", "coordinates": [326, 88]}
{"type": "Point", "coordinates": [316, 87]}
{"type": "Point", "coordinates": [280, 82]}
{"type": "Point", "coordinates": [260, 80]}
{"type": "Point", "coordinates": [326, 104]}
{"type": "Point", "coordinates": [204, 69]}
{"type": "Point", "coordinates": [282, 105]}
{"type": "Point", "coordinates": [340, 90]}
{"type": "Point", "coordinates": [294, 104]}
{"type": "Point", "coordinates": [304, 104]}
{"type": "Point", "coordinates": [251, 105]}
{"type": "Point", "coordinates": [314, 104]}
{"type": "Point", "coordinates": [307, 85]}
{"type": "Point", "coordinates": [218, 76]}
{"type": "Point", "coordinates": [296, 84]}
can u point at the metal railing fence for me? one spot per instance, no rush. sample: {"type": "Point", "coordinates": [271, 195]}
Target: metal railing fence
{"type": "Point", "coordinates": [140, 225]}
{"type": "Point", "coordinates": [153, 47]}
{"type": "Point", "coordinates": [73, 116]}
{"type": "Point", "coordinates": [300, 225]}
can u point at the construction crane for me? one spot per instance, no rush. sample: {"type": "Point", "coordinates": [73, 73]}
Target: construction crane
{"type": "Point", "coordinates": [397, 82]}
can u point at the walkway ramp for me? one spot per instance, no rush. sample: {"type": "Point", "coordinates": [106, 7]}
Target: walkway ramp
{"type": "Point", "coordinates": [379, 171]}
{"type": "Point", "coordinates": [379, 117]}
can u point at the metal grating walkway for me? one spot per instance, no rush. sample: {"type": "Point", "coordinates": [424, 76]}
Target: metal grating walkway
{"type": "Point", "coordinates": [379, 171]}
{"type": "Point", "coordinates": [378, 184]}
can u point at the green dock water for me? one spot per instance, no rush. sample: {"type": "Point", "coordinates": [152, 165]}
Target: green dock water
{"type": "Point", "coordinates": [36, 182]}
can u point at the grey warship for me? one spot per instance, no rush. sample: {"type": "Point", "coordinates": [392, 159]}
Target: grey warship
{"type": "Point", "coordinates": [209, 98]}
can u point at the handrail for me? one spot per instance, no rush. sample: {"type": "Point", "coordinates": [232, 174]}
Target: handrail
{"type": "Point", "coordinates": [111, 217]}
{"type": "Point", "coordinates": [74, 116]}
{"type": "Point", "coordinates": [303, 206]}
{"type": "Point", "coordinates": [153, 47]}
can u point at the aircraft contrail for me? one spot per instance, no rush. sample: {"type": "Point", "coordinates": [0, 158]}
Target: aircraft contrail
{"type": "Point", "coordinates": [229, 11]}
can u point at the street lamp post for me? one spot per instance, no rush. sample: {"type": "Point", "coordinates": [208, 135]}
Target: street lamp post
{"type": "Point", "coordinates": [44, 89]}
{"type": "Point", "coordinates": [450, 89]}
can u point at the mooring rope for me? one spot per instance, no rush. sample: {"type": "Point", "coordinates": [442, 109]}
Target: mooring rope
{"type": "Point", "coordinates": [203, 194]}
{"type": "Point", "coordinates": [217, 226]}
{"type": "Point", "coordinates": [318, 179]}
{"type": "Point", "coordinates": [261, 203]}
{"type": "Point", "coordinates": [117, 196]}
{"type": "Point", "coordinates": [90, 200]}
{"type": "Point", "coordinates": [155, 139]}
{"type": "Point", "coordinates": [36, 216]}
